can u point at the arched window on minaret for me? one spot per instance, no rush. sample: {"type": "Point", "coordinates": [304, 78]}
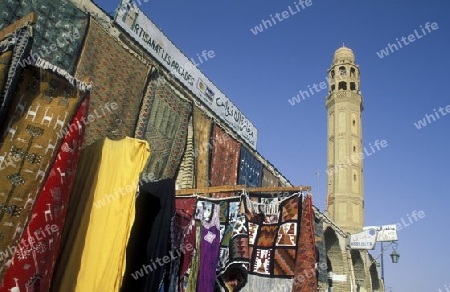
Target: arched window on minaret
{"type": "Point", "coordinates": [333, 87]}
{"type": "Point", "coordinates": [352, 72]}
{"type": "Point", "coordinates": [352, 86]}
{"type": "Point", "coordinates": [342, 71]}
{"type": "Point", "coordinates": [332, 73]}
{"type": "Point", "coordinates": [342, 85]}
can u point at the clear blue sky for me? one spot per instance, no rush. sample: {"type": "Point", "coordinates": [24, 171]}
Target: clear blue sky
{"type": "Point", "coordinates": [259, 73]}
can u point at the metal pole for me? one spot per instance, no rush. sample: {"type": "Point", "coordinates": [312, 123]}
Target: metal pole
{"type": "Point", "coordinates": [382, 262]}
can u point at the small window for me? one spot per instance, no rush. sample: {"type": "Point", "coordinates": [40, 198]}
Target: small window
{"type": "Point", "coordinates": [352, 72]}
{"type": "Point", "coordinates": [333, 87]}
{"type": "Point", "coordinates": [354, 177]}
{"type": "Point", "coordinates": [354, 149]}
{"type": "Point", "coordinates": [354, 123]}
{"type": "Point", "coordinates": [342, 71]}
{"type": "Point", "coordinates": [352, 86]}
{"type": "Point", "coordinates": [342, 85]}
{"type": "Point", "coordinates": [332, 73]}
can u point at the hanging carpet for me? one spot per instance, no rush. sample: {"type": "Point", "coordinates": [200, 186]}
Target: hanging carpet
{"type": "Point", "coordinates": [41, 107]}
{"type": "Point", "coordinates": [224, 160]}
{"type": "Point", "coordinates": [273, 235]}
{"type": "Point", "coordinates": [250, 169]}
{"type": "Point", "coordinates": [13, 50]}
{"type": "Point", "coordinates": [305, 272]}
{"type": "Point", "coordinates": [58, 33]}
{"type": "Point", "coordinates": [202, 135]}
{"type": "Point", "coordinates": [163, 122]}
{"type": "Point", "coordinates": [118, 79]}
{"type": "Point", "coordinates": [268, 179]}
{"type": "Point", "coordinates": [35, 256]}
{"type": "Point", "coordinates": [186, 173]}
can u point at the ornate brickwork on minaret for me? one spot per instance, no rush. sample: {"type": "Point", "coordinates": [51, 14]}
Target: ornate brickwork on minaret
{"type": "Point", "coordinates": [344, 103]}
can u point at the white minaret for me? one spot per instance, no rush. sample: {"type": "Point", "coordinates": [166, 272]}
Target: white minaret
{"type": "Point", "coordinates": [344, 103]}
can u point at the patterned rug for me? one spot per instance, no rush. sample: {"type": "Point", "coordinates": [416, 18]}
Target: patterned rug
{"type": "Point", "coordinates": [268, 179]}
{"type": "Point", "coordinates": [250, 169]}
{"type": "Point", "coordinates": [186, 173]}
{"type": "Point", "coordinates": [202, 135]}
{"type": "Point", "coordinates": [118, 79]}
{"type": "Point", "coordinates": [58, 33]}
{"type": "Point", "coordinates": [48, 217]}
{"type": "Point", "coordinates": [273, 235]}
{"type": "Point", "coordinates": [224, 160]}
{"type": "Point", "coordinates": [12, 51]}
{"type": "Point", "coordinates": [305, 273]}
{"type": "Point", "coordinates": [40, 109]}
{"type": "Point", "coordinates": [163, 122]}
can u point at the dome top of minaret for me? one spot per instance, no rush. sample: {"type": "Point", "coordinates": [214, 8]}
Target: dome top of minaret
{"type": "Point", "coordinates": [343, 54]}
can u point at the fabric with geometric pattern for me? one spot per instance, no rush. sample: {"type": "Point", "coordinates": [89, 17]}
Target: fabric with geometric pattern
{"type": "Point", "coordinates": [202, 151]}
{"type": "Point", "coordinates": [35, 257]}
{"type": "Point", "coordinates": [13, 50]}
{"type": "Point", "coordinates": [305, 272]}
{"type": "Point", "coordinates": [163, 121]}
{"type": "Point", "coordinates": [224, 160]}
{"type": "Point", "coordinates": [118, 79]}
{"type": "Point", "coordinates": [40, 111]}
{"type": "Point", "coordinates": [58, 33]}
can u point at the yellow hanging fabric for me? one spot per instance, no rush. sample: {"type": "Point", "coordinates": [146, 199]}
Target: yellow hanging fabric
{"type": "Point", "coordinates": [97, 260]}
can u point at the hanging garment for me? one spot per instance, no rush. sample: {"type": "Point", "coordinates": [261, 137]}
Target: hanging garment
{"type": "Point", "coordinates": [190, 282]}
{"type": "Point", "coordinates": [224, 160]}
{"type": "Point", "coordinates": [119, 79]}
{"type": "Point", "coordinates": [163, 122]}
{"type": "Point", "coordinates": [183, 243]}
{"type": "Point", "coordinates": [42, 104]}
{"type": "Point", "coordinates": [230, 211]}
{"type": "Point", "coordinates": [250, 169]}
{"type": "Point", "coordinates": [185, 230]}
{"type": "Point", "coordinates": [97, 259]}
{"type": "Point", "coordinates": [13, 50]}
{"type": "Point", "coordinates": [202, 135]}
{"type": "Point", "coordinates": [32, 266]}
{"type": "Point", "coordinates": [58, 33]}
{"type": "Point", "coordinates": [273, 231]}
{"type": "Point", "coordinates": [149, 243]}
{"type": "Point", "coordinates": [209, 247]}
{"type": "Point", "coordinates": [234, 246]}
{"type": "Point", "coordinates": [305, 273]}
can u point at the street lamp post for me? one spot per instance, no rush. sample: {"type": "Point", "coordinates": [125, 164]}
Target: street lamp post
{"type": "Point", "coordinates": [394, 256]}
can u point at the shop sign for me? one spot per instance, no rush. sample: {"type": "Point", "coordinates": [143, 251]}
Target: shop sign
{"type": "Point", "coordinates": [131, 19]}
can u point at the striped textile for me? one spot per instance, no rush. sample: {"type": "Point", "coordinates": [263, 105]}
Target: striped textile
{"type": "Point", "coordinates": [186, 173]}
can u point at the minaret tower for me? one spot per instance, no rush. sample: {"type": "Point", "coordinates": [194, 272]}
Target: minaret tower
{"type": "Point", "coordinates": [344, 103]}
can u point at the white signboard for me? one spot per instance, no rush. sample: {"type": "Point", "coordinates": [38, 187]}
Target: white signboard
{"type": "Point", "coordinates": [363, 240]}
{"type": "Point", "coordinates": [385, 232]}
{"type": "Point", "coordinates": [145, 32]}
